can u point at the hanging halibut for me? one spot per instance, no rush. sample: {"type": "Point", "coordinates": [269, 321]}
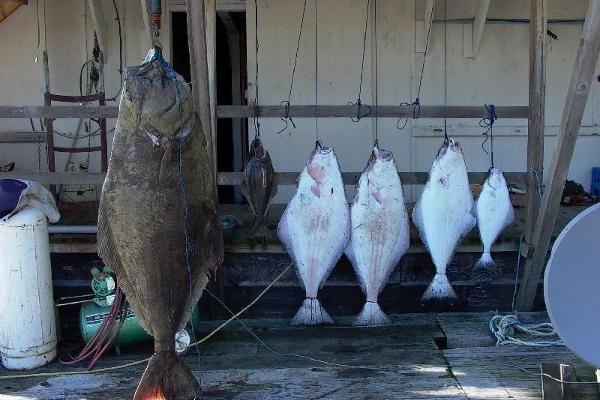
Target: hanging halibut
{"type": "Point", "coordinates": [494, 212]}
{"type": "Point", "coordinates": [259, 186]}
{"type": "Point", "coordinates": [443, 214]}
{"type": "Point", "coordinates": [150, 209]}
{"type": "Point", "coordinates": [315, 228]}
{"type": "Point", "coordinates": [380, 231]}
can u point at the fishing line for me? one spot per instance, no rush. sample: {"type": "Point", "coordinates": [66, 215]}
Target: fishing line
{"type": "Point", "coordinates": [269, 348]}
{"type": "Point", "coordinates": [416, 105]}
{"type": "Point", "coordinates": [317, 70]}
{"type": "Point", "coordinates": [376, 77]}
{"type": "Point", "coordinates": [256, 100]}
{"type": "Point", "coordinates": [488, 124]}
{"type": "Point", "coordinates": [445, 70]}
{"type": "Point", "coordinates": [358, 103]}
{"type": "Point", "coordinates": [286, 103]}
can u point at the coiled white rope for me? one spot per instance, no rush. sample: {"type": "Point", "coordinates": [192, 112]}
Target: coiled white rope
{"type": "Point", "coordinates": [507, 329]}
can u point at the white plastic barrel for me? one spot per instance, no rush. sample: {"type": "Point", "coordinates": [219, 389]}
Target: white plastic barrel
{"type": "Point", "coordinates": [27, 317]}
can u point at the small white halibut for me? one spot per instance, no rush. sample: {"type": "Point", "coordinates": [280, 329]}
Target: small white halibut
{"type": "Point", "coordinates": [443, 214]}
{"type": "Point", "coordinates": [380, 231]}
{"type": "Point", "coordinates": [494, 212]}
{"type": "Point", "coordinates": [315, 228]}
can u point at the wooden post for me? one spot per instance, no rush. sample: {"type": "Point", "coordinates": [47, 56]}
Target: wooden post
{"type": "Point", "coordinates": [210, 9]}
{"type": "Point", "coordinates": [199, 66]}
{"type": "Point", "coordinates": [537, 105]}
{"type": "Point", "coordinates": [575, 102]}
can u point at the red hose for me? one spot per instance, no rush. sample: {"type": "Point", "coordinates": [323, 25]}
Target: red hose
{"type": "Point", "coordinates": [101, 341]}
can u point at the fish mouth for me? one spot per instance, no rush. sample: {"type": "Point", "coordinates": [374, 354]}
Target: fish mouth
{"type": "Point", "coordinates": [325, 150]}
{"type": "Point", "coordinates": [385, 155]}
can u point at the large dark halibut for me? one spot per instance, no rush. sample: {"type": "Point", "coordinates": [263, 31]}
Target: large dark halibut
{"type": "Point", "coordinates": [141, 233]}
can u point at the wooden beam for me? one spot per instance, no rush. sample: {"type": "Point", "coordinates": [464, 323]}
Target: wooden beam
{"type": "Point", "coordinates": [22, 137]}
{"type": "Point", "coordinates": [59, 111]}
{"type": "Point", "coordinates": [345, 111]}
{"type": "Point", "coordinates": [57, 178]}
{"type": "Point", "coordinates": [196, 26]}
{"type": "Point", "coordinates": [99, 26]}
{"type": "Point", "coordinates": [479, 24]}
{"type": "Point", "coordinates": [235, 178]}
{"type": "Point", "coordinates": [8, 7]}
{"type": "Point", "coordinates": [210, 10]}
{"type": "Point", "coordinates": [237, 111]}
{"type": "Point", "coordinates": [575, 102]}
{"type": "Point", "coordinates": [537, 105]}
{"type": "Point", "coordinates": [428, 20]}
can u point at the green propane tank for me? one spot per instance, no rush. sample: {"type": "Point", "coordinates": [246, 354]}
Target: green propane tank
{"type": "Point", "coordinates": [93, 313]}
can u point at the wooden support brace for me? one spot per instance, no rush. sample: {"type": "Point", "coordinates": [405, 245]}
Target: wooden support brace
{"type": "Point", "coordinates": [99, 26]}
{"type": "Point", "coordinates": [576, 100]}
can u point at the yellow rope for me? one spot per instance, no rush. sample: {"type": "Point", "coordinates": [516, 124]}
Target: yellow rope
{"type": "Point", "coordinates": [131, 364]}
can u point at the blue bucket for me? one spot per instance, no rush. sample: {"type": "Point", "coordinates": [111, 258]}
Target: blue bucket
{"type": "Point", "coordinates": [595, 182]}
{"type": "Point", "coordinates": [10, 191]}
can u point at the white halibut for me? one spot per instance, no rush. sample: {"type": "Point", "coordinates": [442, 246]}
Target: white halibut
{"type": "Point", "coordinates": [443, 214]}
{"type": "Point", "coordinates": [380, 231]}
{"type": "Point", "coordinates": [494, 212]}
{"type": "Point", "coordinates": [315, 228]}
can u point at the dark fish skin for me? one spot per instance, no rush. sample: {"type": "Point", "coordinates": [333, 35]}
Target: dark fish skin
{"type": "Point", "coordinates": [141, 217]}
{"type": "Point", "coordinates": [259, 185]}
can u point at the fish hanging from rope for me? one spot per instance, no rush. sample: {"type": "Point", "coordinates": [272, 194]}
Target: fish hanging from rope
{"type": "Point", "coordinates": [157, 223]}
{"type": "Point", "coordinates": [259, 186]}
{"type": "Point", "coordinates": [443, 214]}
{"type": "Point", "coordinates": [315, 228]}
{"type": "Point", "coordinates": [380, 231]}
{"type": "Point", "coordinates": [494, 212]}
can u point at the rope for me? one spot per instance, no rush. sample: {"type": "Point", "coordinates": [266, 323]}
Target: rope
{"type": "Point", "coordinates": [286, 103]}
{"type": "Point", "coordinates": [256, 101]}
{"type": "Point", "coordinates": [488, 124]}
{"type": "Point", "coordinates": [507, 329]}
{"type": "Point", "coordinates": [358, 104]}
{"type": "Point", "coordinates": [145, 360]}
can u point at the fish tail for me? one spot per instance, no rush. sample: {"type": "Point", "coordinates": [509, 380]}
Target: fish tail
{"type": "Point", "coordinates": [371, 314]}
{"type": "Point", "coordinates": [439, 288]}
{"type": "Point", "coordinates": [311, 313]}
{"type": "Point", "coordinates": [485, 261]}
{"type": "Point", "coordinates": [167, 377]}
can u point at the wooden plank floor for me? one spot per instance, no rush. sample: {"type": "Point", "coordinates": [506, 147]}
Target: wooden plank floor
{"type": "Point", "coordinates": [401, 361]}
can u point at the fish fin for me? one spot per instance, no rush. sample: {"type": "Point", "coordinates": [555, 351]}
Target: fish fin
{"type": "Point", "coordinates": [167, 377]}
{"type": "Point", "coordinates": [371, 314]}
{"type": "Point", "coordinates": [484, 270]}
{"type": "Point", "coordinates": [439, 288]}
{"type": "Point", "coordinates": [311, 313]}
{"type": "Point", "coordinates": [510, 216]}
{"type": "Point", "coordinates": [316, 190]}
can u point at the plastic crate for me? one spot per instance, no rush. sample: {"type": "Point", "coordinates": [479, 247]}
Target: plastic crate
{"type": "Point", "coordinates": [595, 182]}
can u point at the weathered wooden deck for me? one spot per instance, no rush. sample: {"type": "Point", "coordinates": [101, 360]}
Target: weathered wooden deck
{"type": "Point", "coordinates": [420, 356]}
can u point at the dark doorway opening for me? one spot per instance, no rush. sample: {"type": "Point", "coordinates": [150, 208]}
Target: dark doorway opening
{"type": "Point", "coordinates": [232, 136]}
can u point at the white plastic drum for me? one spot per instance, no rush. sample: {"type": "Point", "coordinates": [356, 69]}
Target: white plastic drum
{"type": "Point", "coordinates": [27, 316]}
{"type": "Point", "coordinates": [572, 285]}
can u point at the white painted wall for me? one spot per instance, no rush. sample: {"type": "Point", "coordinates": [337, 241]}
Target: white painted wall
{"type": "Point", "coordinates": [498, 75]}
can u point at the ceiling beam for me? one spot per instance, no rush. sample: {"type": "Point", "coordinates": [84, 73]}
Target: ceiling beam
{"type": "Point", "coordinates": [479, 24]}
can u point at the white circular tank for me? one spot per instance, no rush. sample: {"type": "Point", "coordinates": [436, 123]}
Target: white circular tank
{"type": "Point", "coordinates": [27, 316]}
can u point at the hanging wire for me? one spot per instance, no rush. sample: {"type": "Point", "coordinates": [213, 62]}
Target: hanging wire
{"type": "Point", "coordinates": [358, 104]}
{"type": "Point", "coordinates": [317, 70]}
{"type": "Point", "coordinates": [376, 77]}
{"type": "Point", "coordinates": [445, 70]}
{"type": "Point", "coordinates": [256, 102]}
{"type": "Point", "coordinates": [286, 103]}
{"type": "Point", "coordinates": [488, 124]}
{"type": "Point", "coordinates": [416, 105]}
